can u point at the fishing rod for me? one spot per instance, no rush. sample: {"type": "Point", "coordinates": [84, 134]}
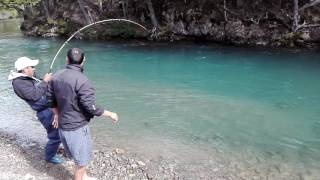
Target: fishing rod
{"type": "Point", "coordinates": [84, 27]}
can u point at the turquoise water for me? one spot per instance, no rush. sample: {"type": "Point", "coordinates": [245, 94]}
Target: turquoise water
{"type": "Point", "coordinates": [189, 101]}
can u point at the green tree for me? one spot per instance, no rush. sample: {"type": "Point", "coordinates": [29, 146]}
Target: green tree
{"type": "Point", "coordinates": [18, 5]}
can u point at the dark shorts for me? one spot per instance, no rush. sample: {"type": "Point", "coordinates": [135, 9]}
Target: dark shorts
{"type": "Point", "coordinates": [77, 145]}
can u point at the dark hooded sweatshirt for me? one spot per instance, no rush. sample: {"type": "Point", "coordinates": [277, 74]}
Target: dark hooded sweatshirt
{"type": "Point", "coordinates": [33, 91]}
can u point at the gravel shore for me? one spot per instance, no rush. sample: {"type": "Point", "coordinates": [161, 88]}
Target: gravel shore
{"type": "Point", "coordinates": [23, 160]}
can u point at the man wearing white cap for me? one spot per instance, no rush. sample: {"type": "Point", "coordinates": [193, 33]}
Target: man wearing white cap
{"type": "Point", "coordinates": [33, 91]}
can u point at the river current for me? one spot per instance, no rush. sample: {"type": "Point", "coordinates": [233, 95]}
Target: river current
{"type": "Point", "coordinates": [197, 103]}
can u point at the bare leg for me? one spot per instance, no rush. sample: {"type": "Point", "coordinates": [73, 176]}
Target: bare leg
{"type": "Point", "coordinates": [79, 173]}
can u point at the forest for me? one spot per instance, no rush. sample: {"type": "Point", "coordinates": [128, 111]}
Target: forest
{"type": "Point", "coordinates": [239, 22]}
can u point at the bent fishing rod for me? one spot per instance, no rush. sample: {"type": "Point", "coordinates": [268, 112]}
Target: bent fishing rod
{"type": "Point", "coordinates": [84, 27]}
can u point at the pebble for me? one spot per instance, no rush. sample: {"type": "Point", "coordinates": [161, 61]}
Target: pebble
{"type": "Point", "coordinates": [141, 163]}
{"type": "Point", "coordinates": [119, 151]}
{"type": "Point", "coordinates": [29, 177]}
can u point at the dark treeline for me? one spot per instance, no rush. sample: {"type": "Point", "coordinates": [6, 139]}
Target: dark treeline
{"type": "Point", "coordinates": [244, 22]}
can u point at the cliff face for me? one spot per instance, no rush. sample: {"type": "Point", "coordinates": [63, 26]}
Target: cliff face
{"type": "Point", "coordinates": [238, 22]}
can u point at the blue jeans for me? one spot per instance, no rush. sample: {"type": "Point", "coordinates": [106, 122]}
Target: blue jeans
{"type": "Point", "coordinates": [46, 118]}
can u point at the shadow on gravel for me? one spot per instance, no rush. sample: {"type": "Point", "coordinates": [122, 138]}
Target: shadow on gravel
{"type": "Point", "coordinates": [34, 155]}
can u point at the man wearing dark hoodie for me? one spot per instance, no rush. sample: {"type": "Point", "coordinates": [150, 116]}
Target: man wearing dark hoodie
{"type": "Point", "coordinates": [33, 91]}
{"type": "Point", "coordinates": [71, 92]}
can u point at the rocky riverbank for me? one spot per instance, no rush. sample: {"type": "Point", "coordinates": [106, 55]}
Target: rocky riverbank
{"type": "Point", "coordinates": [20, 160]}
{"type": "Point", "coordinates": [23, 160]}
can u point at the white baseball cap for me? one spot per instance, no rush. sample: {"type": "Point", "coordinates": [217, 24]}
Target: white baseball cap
{"type": "Point", "coordinates": [23, 62]}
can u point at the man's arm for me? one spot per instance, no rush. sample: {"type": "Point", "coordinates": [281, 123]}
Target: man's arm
{"type": "Point", "coordinates": [50, 96]}
{"type": "Point", "coordinates": [53, 104]}
{"type": "Point", "coordinates": [114, 116]}
{"type": "Point", "coordinates": [86, 95]}
{"type": "Point", "coordinates": [26, 90]}
{"type": "Point", "coordinates": [55, 122]}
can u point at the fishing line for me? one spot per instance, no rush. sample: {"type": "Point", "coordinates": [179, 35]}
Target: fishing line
{"type": "Point", "coordinates": [84, 27]}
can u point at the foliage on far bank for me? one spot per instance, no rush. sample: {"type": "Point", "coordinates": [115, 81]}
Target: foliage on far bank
{"type": "Point", "coordinates": [17, 5]}
{"type": "Point", "coordinates": [8, 14]}
{"type": "Point", "coordinates": [237, 22]}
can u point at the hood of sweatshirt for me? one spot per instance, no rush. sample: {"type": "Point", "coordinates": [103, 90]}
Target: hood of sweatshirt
{"type": "Point", "coordinates": [13, 75]}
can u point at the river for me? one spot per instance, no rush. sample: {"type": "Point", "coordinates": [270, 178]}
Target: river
{"type": "Point", "coordinates": [253, 109]}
